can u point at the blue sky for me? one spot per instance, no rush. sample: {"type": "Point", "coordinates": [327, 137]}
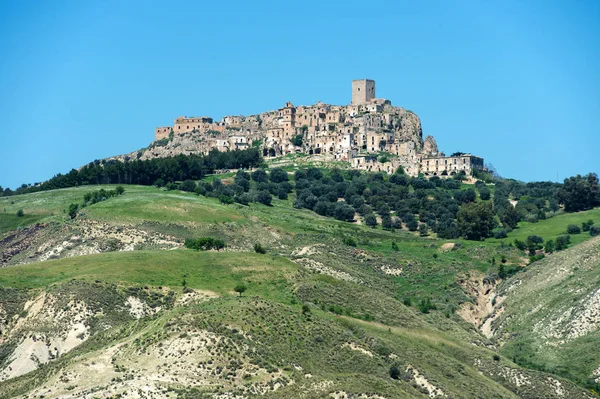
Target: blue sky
{"type": "Point", "coordinates": [517, 82]}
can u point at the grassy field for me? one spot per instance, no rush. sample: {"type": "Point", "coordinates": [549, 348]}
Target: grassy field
{"type": "Point", "coordinates": [549, 229]}
{"type": "Point", "coordinates": [217, 271]}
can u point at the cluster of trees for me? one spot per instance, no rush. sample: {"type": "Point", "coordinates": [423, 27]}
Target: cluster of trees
{"type": "Point", "coordinates": [94, 197]}
{"type": "Point", "coordinates": [579, 193]}
{"type": "Point", "coordinates": [204, 243]}
{"type": "Point", "coordinates": [397, 201]}
{"type": "Point", "coordinates": [160, 170]}
{"type": "Point", "coordinates": [258, 186]}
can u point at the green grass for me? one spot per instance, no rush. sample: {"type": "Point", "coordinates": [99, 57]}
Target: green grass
{"type": "Point", "coordinates": [549, 229]}
{"type": "Point", "coordinates": [9, 221]}
{"type": "Point", "coordinates": [216, 271]}
{"type": "Point", "coordinates": [155, 205]}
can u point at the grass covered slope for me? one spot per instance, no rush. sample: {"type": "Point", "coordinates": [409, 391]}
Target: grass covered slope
{"type": "Point", "coordinates": [551, 314]}
{"type": "Point", "coordinates": [332, 306]}
{"type": "Point", "coordinates": [142, 332]}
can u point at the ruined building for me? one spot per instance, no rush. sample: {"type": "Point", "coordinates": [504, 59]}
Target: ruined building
{"type": "Point", "coordinates": [369, 133]}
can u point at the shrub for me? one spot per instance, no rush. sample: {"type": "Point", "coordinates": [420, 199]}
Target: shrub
{"type": "Point", "coordinates": [585, 226]}
{"type": "Point", "coordinates": [594, 231]}
{"type": "Point", "coordinates": [562, 241]}
{"type": "Point", "coordinates": [73, 210]}
{"type": "Point", "coordinates": [395, 372]}
{"type": "Point", "coordinates": [520, 245]}
{"type": "Point", "coordinates": [204, 243]}
{"type": "Point", "coordinates": [259, 249]}
{"type": "Point", "coordinates": [423, 230]}
{"type": "Point", "coordinates": [549, 246]}
{"type": "Point", "coordinates": [349, 241]}
{"type": "Point", "coordinates": [496, 358]}
{"type": "Point", "coordinates": [226, 199]}
{"type": "Point", "coordinates": [573, 229]}
{"type": "Point", "coordinates": [119, 190]}
{"type": "Point", "coordinates": [425, 305]}
{"type": "Point", "coordinates": [499, 233]}
{"type": "Point", "coordinates": [189, 186]}
{"type": "Point", "coordinates": [20, 213]}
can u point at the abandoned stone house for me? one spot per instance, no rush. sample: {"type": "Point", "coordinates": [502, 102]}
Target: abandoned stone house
{"type": "Point", "coordinates": [355, 133]}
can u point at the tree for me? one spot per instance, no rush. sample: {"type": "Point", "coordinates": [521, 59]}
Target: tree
{"type": "Point", "coordinates": [240, 288]}
{"type": "Point", "coordinates": [297, 140]}
{"type": "Point", "coordinates": [278, 175]}
{"type": "Point", "coordinates": [343, 211]}
{"type": "Point", "coordinates": [579, 193]}
{"type": "Point", "coordinates": [573, 229]}
{"type": "Point", "coordinates": [509, 216]}
{"type": "Point", "coordinates": [412, 225]}
{"type": "Point", "coordinates": [501, 271]}
{"type": "Point", "coordinates": [562, 241]}
{"type": "Point", "coordinates": [586, 226]}
{"type": "Point", "coordinates": [73, 210]}
{"type": "Point", "coordinates": [264, 197]}
{"type": "Point", "coordinates": [520, 244]}
{"type": "Point", "coordinates": [20, 213]}
{"type": "Point", "coordinates": [395, 372]}
{"type": "Point", "coordinates": [594, 231]}
{"type": "Point", "coordinates": [189, 186]}
{"type": "Point", "coordinates": [260, 176]}
{"type": "Point", "coordinates": [371, 220]}
{"type": "Point", "coordinates": [475, 220]}
{"type": "Point", "coordinates": [423, 230]}
{"type": "Point", "coordinates": [259, 249]}
{"type": "Point", "coordinates": [549, 246]}
{"type": "Point", "coordinates": [533, 243]}
{"type": "Point", "coordinates": [484, 193]}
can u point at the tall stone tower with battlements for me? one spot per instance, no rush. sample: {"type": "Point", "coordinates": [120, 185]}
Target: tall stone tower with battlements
{"type": "Point", "coordinates": [363, 91]}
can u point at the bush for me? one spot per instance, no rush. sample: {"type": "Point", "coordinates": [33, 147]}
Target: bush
{"type": "Point", "coordinates": [395, 372]}
{"type": "Point", "coordinates": [226, 199]}
{"type": "Point", "coordinates": [549, 246]}
{"type": "Point", "coordinates": [585, 226]}
{"type": "Point", "coordinates": [562, 241]}
{"type": "Point", "coordinates": [573, 229]}
{"type": "Point", "coordinates": [259, 249]}
{"type": "Point", "coordinates": [73, 210]}
{"type": "Point", "coordinates": [499, 233]}
{"type": "Point", "coordinates": [189, 186]}
{"type": "Point", "coordinates": [20, 213]}
{"type": "Point", "coordinates": [423, 230]}
{"type": "Point", "coordinates": [204, 243]}
{"type": "Point", "coordinates": [594, 231]}
{"type": "Point", "coordinates": [425, 305]}
{"type": "Point", "coordinates": [349, 241]}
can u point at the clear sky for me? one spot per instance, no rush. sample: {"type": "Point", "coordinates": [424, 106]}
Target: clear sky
{"type": "Point", "coordinates": [516, 82]}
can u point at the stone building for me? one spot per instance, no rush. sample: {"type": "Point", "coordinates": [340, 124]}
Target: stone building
{"type": "Point", "coordinates": [363, 91]}
{"type": "Point", "coordinates": [356, 133]}
{"type": "Point", "coordinates": [443, 166]}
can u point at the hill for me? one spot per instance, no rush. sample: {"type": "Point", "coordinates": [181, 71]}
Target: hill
{"type": "Point", "coordinates": [332, 309]}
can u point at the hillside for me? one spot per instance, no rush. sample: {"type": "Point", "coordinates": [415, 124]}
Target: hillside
{"type": "Point", "coordinates": [550, 315]}
{"type": "Point", "coordinates": [320, 317]}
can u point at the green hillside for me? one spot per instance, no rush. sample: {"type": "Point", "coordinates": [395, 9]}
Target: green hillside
{"type": "Point", "coordinates": [331, 309]}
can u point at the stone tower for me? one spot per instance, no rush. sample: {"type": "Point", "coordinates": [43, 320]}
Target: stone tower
{"type": "Point", "coordinates": [363, 91]}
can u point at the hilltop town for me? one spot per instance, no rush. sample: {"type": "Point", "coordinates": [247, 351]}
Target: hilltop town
{"type": "Point", "coordinates": [369, 134]}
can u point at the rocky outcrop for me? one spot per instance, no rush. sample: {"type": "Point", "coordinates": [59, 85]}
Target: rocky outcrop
{"type": "Point", "coordinates": [430, 146]}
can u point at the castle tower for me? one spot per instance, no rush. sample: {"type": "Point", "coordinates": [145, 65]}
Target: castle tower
{"type": "Point", "coordinates": [363, 91]}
